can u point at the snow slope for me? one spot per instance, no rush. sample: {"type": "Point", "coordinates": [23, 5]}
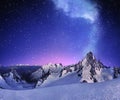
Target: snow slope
{"type": "Point", "coordinates": [70, 78]}
{"type": "Point", "coordinates": [109, 90]}
{"type": "Point", "coordinates": [3, 83]}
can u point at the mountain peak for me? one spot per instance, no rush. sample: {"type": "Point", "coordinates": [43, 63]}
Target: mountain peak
{"type": "Point", "coordinates": [89, 59]}
{"type": "Point", "coordinates": [90, 56]}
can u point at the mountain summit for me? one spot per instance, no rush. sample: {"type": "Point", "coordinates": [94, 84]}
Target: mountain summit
{"type": "Point", "coordinates": [93, 70]}
{"type": "Point", "coordinates": [88, 70]}
{"type": "Point", "coordinates": [90, 56]}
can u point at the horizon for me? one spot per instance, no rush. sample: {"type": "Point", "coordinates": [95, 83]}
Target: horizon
{"type": "Point", "coordinates": [64, 64]}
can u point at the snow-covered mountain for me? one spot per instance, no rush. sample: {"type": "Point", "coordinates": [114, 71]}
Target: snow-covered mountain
{"type": "Point", "coordinates": [14, 81]}
{"type": "Point", "coordinates": [3, 83]}
{"type": "Point", "coordinates": [94, 71]}
{"type": "Point", "coordinates": [89, 70]}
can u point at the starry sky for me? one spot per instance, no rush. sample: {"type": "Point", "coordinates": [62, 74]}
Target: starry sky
{"type": "Point", "coordinates": [59, 31]}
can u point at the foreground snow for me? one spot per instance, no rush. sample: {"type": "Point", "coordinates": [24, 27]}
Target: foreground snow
{"type": "Point", "coordinates": [109, 90]}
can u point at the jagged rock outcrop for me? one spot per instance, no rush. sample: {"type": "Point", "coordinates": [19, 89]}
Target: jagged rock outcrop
{"type": "Point", "coordinates": [93, 70]}
{"type": "Point", "coordinates": [116, 72]}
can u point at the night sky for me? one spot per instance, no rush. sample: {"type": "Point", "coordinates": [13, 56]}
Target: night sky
{"type": "Point", "coordinates": [59, 31]}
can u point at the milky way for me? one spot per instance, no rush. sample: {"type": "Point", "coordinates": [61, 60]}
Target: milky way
{"type": "Point", "coordinates": [82, 9]}
{"type": "Point", "coordinates": [78, 9]}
